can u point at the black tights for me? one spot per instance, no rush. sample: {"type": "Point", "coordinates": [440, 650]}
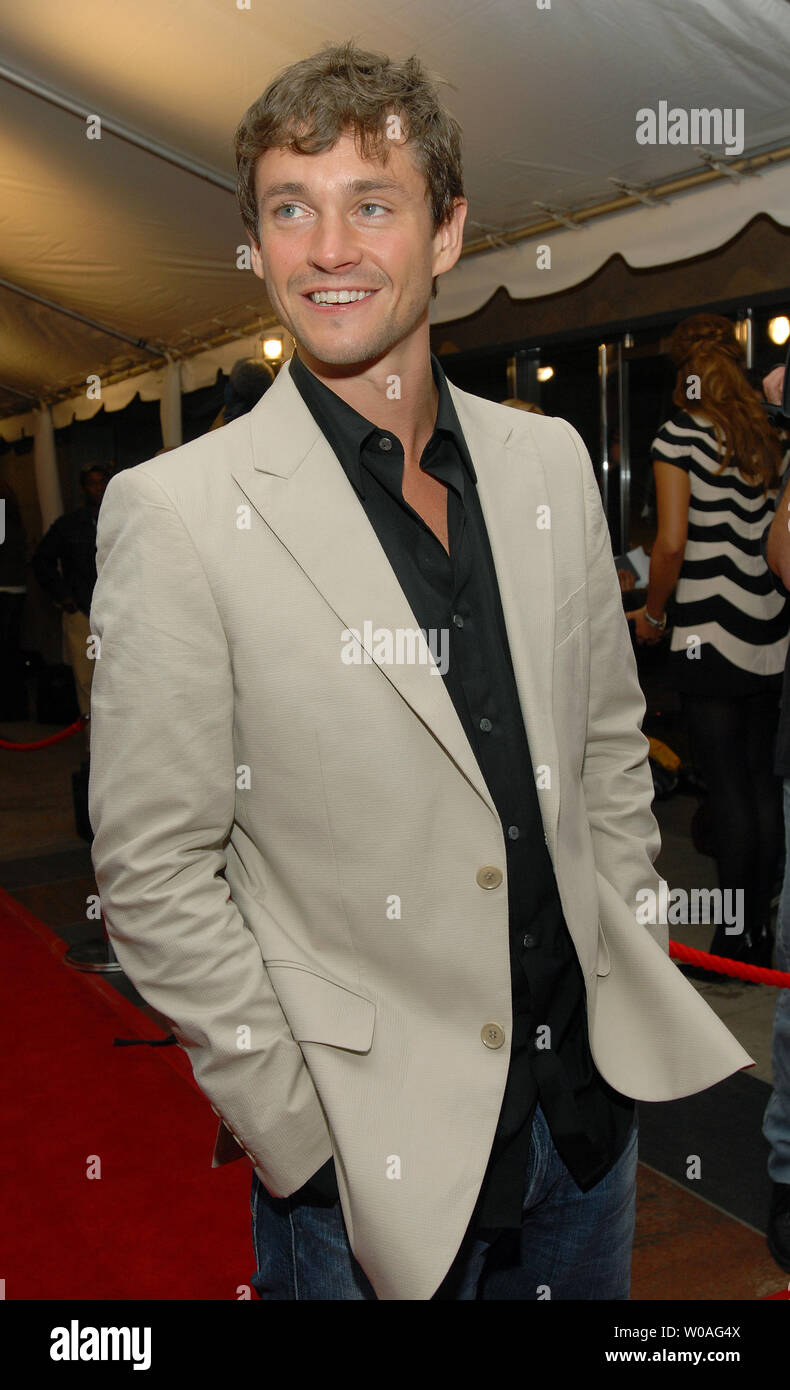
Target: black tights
{"type": "Point", "coordinates": [732, 744]}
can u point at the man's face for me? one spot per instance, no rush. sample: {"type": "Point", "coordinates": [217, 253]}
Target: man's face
{"type": "Point", "coordinates": [334, 221]}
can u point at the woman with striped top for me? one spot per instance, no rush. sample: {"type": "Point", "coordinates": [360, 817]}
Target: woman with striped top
{"type": "Point", "coordinates": [717, 464]}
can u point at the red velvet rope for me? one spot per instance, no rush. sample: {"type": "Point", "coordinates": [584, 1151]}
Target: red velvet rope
{"type": "Point", "coordinates": [45, 742]}
{"type": "Point", "coordinates": [723, 966]}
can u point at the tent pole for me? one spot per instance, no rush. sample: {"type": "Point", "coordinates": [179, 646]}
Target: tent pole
{"type": "Point", "coordinates": [81, 318]}
{"type": "Point", "coordinates": [122, 132]}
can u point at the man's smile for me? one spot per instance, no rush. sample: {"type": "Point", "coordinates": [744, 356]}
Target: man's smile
{"type": "Point", "coordinates": [325, 301]}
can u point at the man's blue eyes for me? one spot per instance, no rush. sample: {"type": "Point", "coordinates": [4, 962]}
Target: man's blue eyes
{"type": "Point", "coordinates": [283, 206]}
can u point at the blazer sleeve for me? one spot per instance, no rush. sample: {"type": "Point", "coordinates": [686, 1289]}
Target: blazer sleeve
{"type": "Point", "coordinates": [162, 804]}
{"type": "Point", "coordinates": [616, 777]}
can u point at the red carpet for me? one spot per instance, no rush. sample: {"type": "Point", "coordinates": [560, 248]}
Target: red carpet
{"type": "Point", "coordinates": [159, 1223]}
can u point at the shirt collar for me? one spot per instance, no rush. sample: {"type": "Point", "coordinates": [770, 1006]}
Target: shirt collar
{"type": "Point", "coordinates": [346, 431]}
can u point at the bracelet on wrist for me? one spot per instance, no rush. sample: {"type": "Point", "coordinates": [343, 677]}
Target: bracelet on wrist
{"type": "Point", "coordinates": [659, 623]}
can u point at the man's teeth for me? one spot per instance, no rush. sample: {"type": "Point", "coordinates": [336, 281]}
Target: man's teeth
{"type": "Point", "coordinates": [339, 296]}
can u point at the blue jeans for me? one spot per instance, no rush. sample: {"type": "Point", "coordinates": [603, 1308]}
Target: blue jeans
{"type": "Point", "coordinates": [571, 1245]}
{"type": "Point", "coordinates": [776, 1122]}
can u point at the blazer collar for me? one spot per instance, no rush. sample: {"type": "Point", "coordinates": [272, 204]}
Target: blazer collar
{"type": "Point", "coordinates": [346, 431]}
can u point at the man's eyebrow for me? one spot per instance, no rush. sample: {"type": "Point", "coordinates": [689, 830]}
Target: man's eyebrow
{"type": "Point", "coordinates": [353, 186]}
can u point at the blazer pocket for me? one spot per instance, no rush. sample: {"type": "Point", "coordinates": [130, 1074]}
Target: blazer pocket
{"type": "Point", "coordinates": [320, 1010]}
{"type": "Point", "coordinates": [603, 963]}
{"type": "Point", "coordinates": [570, 614]}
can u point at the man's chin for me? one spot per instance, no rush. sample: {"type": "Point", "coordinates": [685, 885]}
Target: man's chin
{"type": "Point", "coordinates": [340, 351]}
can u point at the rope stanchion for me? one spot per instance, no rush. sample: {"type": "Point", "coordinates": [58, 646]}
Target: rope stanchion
{"type": "Point", "coordinates": [722, 965]}
{"type": "Point", "coordinates": [45, 742]}
{"type": "Point", "coordinates": [96, 956]}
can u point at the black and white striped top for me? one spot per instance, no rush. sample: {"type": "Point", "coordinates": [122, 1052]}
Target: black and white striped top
{"type": "Point", "coordinates": [730, 632]}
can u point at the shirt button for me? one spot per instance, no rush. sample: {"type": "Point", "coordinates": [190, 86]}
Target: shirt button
{"type": "Point", "coordinates": [513, 832]}
{"type": "Point", "coordinates": [485, 725]}
{"type": "Point", "coordinates": [458, 620]}
{"type": "Point", "coordinates": [529, 941]}
{"type": "Point", "coordinates": [492, 1035]}
{"type": "Point", "coordinates": [489, 876]}
{"type": "Point", "coordinates": [385, 442]}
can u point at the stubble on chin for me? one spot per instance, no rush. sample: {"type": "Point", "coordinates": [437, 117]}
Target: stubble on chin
{"type": "Point", "coordinates": [380, 340]}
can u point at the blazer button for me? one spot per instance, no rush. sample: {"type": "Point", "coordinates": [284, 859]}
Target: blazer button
{"type": "Point", "coordinates": [492, 1035]}
{"type": "Point", "coordinates": [489, 876]}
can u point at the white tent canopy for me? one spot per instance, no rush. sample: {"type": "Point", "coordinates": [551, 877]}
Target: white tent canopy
{"type": "Point", "coordinates": [548, 97]}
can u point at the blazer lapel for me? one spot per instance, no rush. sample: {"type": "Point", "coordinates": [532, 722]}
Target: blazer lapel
{"type": "Point", "coordinates": [298, 486]}
{"type": "Point", "coordinates": [512, 486]}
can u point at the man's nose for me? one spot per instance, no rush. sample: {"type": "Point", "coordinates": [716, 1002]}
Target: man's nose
{"type": "Point", "coordinates": [334, 244]}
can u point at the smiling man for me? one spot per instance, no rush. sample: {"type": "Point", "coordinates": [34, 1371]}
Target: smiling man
{"type": "Point", "coordinates": [392, 918]}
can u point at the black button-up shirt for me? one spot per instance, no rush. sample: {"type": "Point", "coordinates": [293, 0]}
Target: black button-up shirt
{"type": "Point", "coordinates": [457, 595]}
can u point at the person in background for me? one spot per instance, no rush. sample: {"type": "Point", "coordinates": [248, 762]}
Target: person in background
{"type": "Point", "coordinates": [65, 567]}
{"type": "Point", "coordinates": [716, 465]}
{"type": "Point", "coordinates": [776, 1121]}
{"type": "Point", "coordinates": [249, 379]}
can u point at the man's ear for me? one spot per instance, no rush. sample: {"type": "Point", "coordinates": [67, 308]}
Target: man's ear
{"type": "Point", "coordinates": [448, 239]}
{"type": "Point", "coordinates": [256, 260]}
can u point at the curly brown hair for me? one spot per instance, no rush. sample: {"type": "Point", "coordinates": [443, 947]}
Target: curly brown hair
{"type": "Point", "coordinates": [310, 104]}
{"type": "Point", "coordinates": [705, 346]}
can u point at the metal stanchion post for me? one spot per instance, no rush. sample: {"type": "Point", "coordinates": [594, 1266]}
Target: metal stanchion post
{"type": "Point", "coordinates": [94, 955]}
